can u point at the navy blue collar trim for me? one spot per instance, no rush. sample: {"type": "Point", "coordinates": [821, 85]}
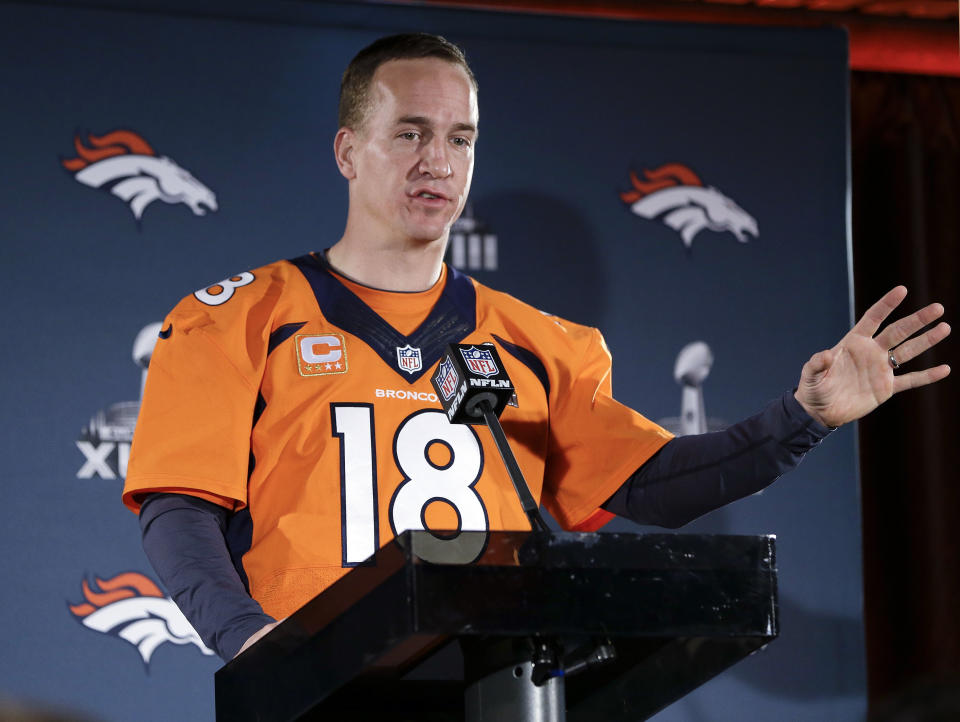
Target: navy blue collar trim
{"type": "Point", "coordinates": [451, 320]}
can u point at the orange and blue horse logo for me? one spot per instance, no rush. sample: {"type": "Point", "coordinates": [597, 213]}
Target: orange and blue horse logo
{"type": "Point", "coordinates": [675, 195]}
{"type": "Point", "coordinates": [131, 607]}
{"type": "Point", "coordinates": [126, 165]}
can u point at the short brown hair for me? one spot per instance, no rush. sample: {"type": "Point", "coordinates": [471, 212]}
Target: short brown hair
{"type": "Point", "coordinates": [355, 84]}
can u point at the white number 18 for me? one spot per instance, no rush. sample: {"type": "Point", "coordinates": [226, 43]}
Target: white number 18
{"type": "Point", "coordinates": [424, 482]}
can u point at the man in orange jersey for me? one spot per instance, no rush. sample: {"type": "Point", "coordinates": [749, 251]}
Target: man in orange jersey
{"type": "Point", "coordinates": [289, 428]}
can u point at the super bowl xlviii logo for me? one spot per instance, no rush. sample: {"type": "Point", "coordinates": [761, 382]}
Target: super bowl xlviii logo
{"type": "Point", "coordinates": [131, 607]}
{"type": "Point", "coordinates": [409, 359]}
{"type": "Point", "coordinates": [479, 361]}
{"type": "Point", "coordinates": [447, 379]}
{"type": "Point", "coordinates": [675, 195]}
{"type": "Point", "coordinates": [125, 164]}
{"type": "Point", "coordinates": [472, 246]}
{"type": "Point", "coordinates": [105, 441]}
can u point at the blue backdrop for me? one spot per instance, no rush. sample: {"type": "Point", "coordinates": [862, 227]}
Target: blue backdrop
{"type": "Point", "coordinates": [732, 232]}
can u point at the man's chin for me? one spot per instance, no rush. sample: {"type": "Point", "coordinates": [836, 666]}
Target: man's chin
{"type": "Point", "coordinates": [430, 236]}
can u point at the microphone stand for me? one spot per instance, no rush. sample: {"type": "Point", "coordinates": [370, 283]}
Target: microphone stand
{"type": "Point", "coordinates": [495, 688]}
{"type": "Point", "coordinates": [506, 678]}
{"type": "Point", "coordinates": [509, 460]}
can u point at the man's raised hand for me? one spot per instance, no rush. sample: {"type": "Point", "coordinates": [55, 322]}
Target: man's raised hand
{"type": "Point", "coordinates": [854, 377]}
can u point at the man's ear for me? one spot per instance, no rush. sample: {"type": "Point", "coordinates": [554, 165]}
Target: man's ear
{"type": "Point", "coordinates": [343, 146]}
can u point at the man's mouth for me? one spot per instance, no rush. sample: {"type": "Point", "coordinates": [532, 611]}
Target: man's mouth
{"type": "Point", "coordinates": [427, 195]}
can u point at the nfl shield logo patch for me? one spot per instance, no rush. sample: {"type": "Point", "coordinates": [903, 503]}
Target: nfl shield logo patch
{"type": "Point", "coordinates": [409, 359]}
{"type": "Point", "coordinates": [447, 379]}
{"type": "Point", "coordinates": [479, 361]}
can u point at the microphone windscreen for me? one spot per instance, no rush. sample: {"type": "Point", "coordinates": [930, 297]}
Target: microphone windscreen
{"type": "Point", "coordinates": [468, 375]}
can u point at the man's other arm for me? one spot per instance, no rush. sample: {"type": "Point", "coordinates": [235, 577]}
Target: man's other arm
{"type": "Point", "coordinates": [183, 537]}
{"type": "Point", "coordinates": [692, 475]}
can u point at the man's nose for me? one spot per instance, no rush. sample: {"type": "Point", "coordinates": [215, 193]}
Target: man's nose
{"type": "Point", "coordinates": [434, 160]}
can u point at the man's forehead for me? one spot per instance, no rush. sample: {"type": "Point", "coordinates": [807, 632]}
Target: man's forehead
{"type": "Point", "coordinates": [425, 88]}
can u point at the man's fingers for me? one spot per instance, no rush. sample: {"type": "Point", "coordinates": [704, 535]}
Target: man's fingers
{"type": "Point", "coordinates": [915, 379]}
{"type": "Point", "coordinates": [903, 329]}
{"type": "Point", "coordinates": [879, 311]}
{"type": "Point", "coordinates": [914, 347]}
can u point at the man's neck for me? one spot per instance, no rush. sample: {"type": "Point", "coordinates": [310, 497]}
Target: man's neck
{"type": "Point", "coordinates": [396, 266]}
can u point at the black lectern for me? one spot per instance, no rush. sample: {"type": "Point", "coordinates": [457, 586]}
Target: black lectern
{"type": "Point", "coordinates": [644, 619]}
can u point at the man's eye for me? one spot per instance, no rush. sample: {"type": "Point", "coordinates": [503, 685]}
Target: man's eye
{"type": "Point", "coordinates": [462, 142]}
{"type": "Point", "coordinates": [410, 135]}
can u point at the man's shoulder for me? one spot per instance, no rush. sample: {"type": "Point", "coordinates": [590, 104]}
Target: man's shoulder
{"type": "Point", "coordinates": [268, 279]}
{"type": "Point", "coordinates": [242, 294]}
{"type": "Point", "coordinates": [504, 304]}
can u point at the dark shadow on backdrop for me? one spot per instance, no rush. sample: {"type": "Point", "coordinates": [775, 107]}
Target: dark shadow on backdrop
{"type": "Point", "coordinates": [549, 259]}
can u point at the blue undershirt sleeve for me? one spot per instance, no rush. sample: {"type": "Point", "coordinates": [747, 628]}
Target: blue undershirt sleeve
{"type": "Point", "coordinates": [183, 537]}
{"type": "Point", "coordinates": [691, 475]}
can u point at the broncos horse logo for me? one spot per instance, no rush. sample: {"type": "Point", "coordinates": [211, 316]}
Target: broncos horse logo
{"type": "Point", "coordinates": [677, 196]}
{"type": "Point", "coordinates": [125, 164]}
{"type": "Point", "coordinates": [130, 606]}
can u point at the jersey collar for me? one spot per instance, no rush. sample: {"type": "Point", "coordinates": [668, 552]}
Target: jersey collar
{"type": "Point", "coordinates": [452, 318]}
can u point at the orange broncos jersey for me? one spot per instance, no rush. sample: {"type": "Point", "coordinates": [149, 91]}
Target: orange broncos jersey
{"type": "Point", "coordinates": [283, 395]}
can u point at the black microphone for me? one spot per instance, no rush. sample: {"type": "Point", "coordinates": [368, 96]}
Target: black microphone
{"type": "Point", "coordinates": [473, 387]}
